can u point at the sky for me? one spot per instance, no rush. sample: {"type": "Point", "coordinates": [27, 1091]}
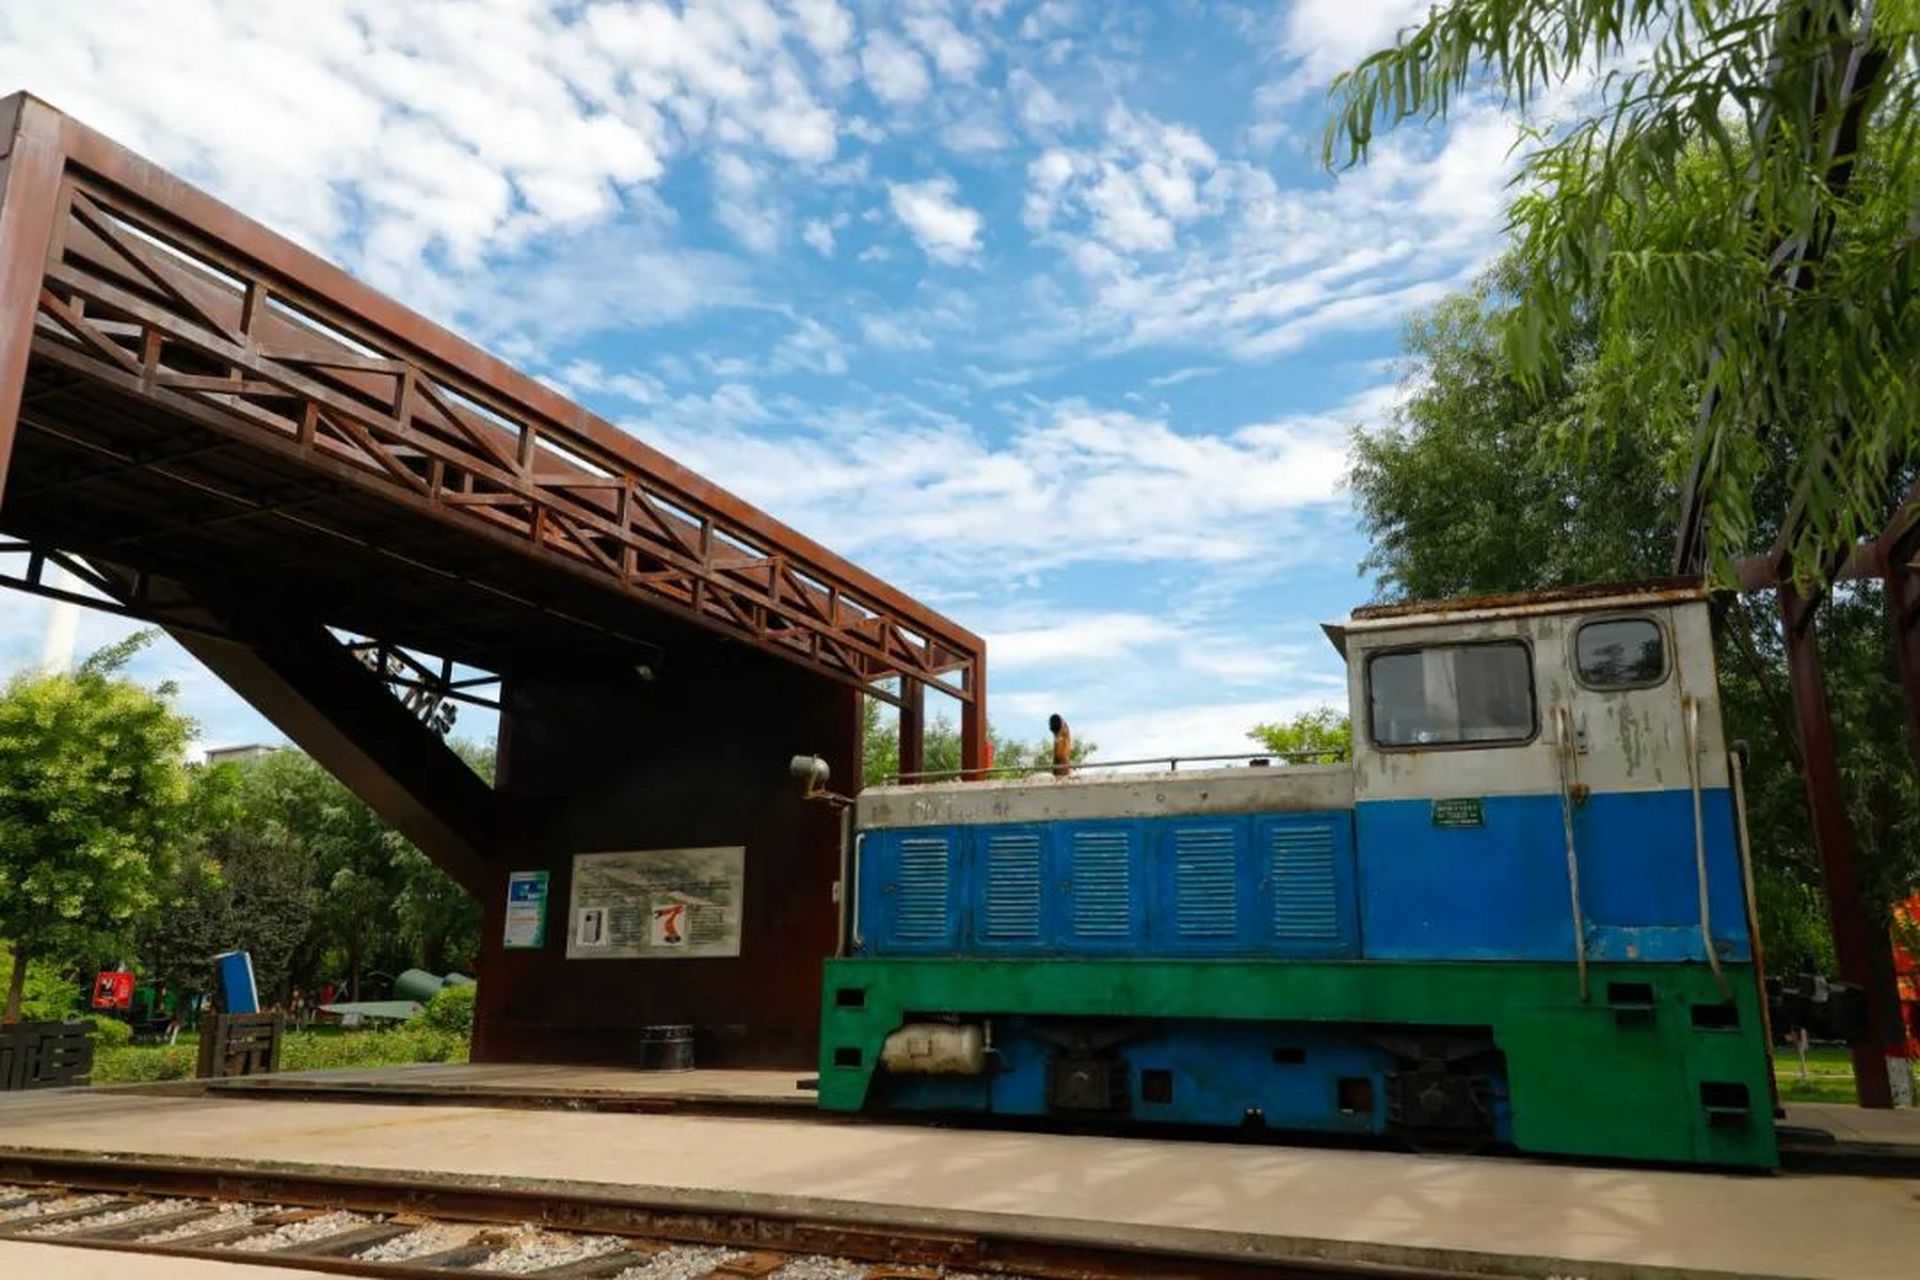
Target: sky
{"type": "Point", "coordinates": [1043, 311]}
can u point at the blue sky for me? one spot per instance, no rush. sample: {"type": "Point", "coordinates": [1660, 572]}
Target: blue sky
{"type": "Point", "coordinates": [1044, 311]}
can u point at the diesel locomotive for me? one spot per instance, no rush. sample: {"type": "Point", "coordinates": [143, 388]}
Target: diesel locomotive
{"type": "Point", "coordinates": [1518, 916]}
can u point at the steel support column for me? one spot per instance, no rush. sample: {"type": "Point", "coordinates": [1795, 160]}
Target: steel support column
{"type": "Point", "coordinates": [1854, 936]}
{"type": "Point", "coordinates": [30, 165]}
{"type": "Point", "coordinates": [975, 750]}
{"type": "Point", "coordinates": [1903, 618]}
{"type": "Point", "coordinates": [913, 727]}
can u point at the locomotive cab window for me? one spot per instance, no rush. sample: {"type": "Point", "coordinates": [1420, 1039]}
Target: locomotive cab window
{"type": "Point", "coordinates": [1620, 653]}
{"type": "Point", "coordinates": [1458, 695]}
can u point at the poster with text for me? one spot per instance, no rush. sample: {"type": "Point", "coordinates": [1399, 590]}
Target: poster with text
{"type": "Point", "coordinates": [656, 904]}
{"type": "Point", "coordinates": [526, 928]}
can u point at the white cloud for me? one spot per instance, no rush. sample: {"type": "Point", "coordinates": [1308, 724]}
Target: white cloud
{"type": "Point", "coordinates": [895, 72]}
{"type": "Point", "coordinates": [742, 204]}
{"type": "Point", "coordinates": [1174, 246]}
{"type": "Point", "coordinates": [894, 333]}
{"type": "Point", "coordinates": [1189, 373]}
{"type": "Point", "coordinates": [413, 139]}
{"type": "Point", "coordinates": [1072, 484]}
{"type": "Point", "coordinates": [1326, 37]}
{"type": "Point", "coordinates": [946, 229]}
{"type": "Point", "coordinates": [612, 278]}
{"type": "Point", "coordinates": [810, 346]}
{"type": "Point", "coordinates": [1039, 109]}
{"type": "Point", "coordinates": [825, 25]}
{"type": "Point", "coordinates": [1076, 639]}
{"type": "Point", "coordinates": [587, 377]}
{"type": "Point", "coordinates": [1190, 729]}
{"type": "Point", "coordinates": [956, 55]}
{"type": "Point", "coordinates": [1134, 191]}
{"type": "Point", "coordinates": [818, 233]}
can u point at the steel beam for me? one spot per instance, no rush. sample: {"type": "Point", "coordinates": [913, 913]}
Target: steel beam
{"type": "Point", "coordinates": [322, 697]}
{"type": "Point", "coordinates": [30, 168]}
{"type": "Point", "coordinates": [1855, 938]}
{"type": "Point", "coordinates": [150, 288]}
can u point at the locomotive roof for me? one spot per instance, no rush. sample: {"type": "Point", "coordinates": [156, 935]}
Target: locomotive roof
{"type": "Point", "coordinates": [1518, 604]}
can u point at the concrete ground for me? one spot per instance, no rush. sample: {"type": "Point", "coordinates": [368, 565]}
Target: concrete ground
{"type": "Point", "coordinates": [1896, 1128]}
{"type": "Point", "coordinates": [1519, 1217]}
{"type": "Point", "coordinates": [28, 1261]}
{"type": "Point", "coordinates": [479, 1081]}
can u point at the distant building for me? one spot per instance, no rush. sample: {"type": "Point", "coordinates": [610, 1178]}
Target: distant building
{"type": "Point", "coordinates": [235, 755]}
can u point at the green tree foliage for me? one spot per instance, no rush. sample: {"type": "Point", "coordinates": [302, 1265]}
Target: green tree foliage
{"type": "Point", "coordinates": [439, 920]}
{"type": "Point", "coordinates": [1481, 483]}
{"type": "Point", "coordinates": [287, 864]}
{"type": "Point", "coordinates": [880, 747]}
{"type": "Point", "coordinates": [1459, 501]}
{"type": "Point", "coordinates": [1324, 733]}
{"type": "Point", "coordinates": [1731, 221]}
{"type": "Point", "coordinates": [92, 793]}
{"type": "Point", "coordinates": [50, 993]}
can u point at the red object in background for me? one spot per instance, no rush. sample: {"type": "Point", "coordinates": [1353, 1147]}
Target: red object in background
{"type": "Point", "coordinates": [1906, 970]}
{"type": "Point", "coordinates": [113, 991]}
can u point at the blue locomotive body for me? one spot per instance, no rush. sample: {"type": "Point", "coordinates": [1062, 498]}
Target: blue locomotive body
{"type": "Point", "coordinates": [1518, 914]}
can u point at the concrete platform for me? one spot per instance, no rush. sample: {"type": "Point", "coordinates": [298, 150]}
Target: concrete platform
{"type": "Point", "coordinates": [512, 1084]}
{"type": "Point", "coordinates": [1505, 1217]}
{"type": "Point", "coordinates": [28, 1261]}
{"type": "Point", "coordinates": [1895, 1128]}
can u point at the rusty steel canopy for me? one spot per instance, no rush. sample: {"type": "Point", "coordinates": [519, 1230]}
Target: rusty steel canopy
{"type": "Point", "coordinates": [195, 412]}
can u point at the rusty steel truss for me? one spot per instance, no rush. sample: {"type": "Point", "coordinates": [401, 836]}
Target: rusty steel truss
{"type": "Point", "coordinates": [300, 407]}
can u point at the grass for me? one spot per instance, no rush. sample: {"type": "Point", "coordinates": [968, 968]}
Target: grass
{"type": "Point", "coordinates": [316, 1049]}
{"type": "Point", "coordinates": [1829, 1075]}
{"type": "Point", "coordinates": [439, 1034]}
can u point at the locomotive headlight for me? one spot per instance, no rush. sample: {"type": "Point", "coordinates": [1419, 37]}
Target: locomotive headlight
{"type": "Point", "coordinates": [813, 773]}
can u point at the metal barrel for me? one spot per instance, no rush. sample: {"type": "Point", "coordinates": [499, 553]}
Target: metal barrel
{"type": "Point", "coordinates": [666, 1048]}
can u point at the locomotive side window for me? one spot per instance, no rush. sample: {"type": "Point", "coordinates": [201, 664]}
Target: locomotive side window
{"type": "Point", "coordinates": [1620, 653]}
{"type": "Point", "coordinates": [1452, 695]}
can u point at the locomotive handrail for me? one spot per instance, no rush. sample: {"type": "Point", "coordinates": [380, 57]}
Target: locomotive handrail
{"type": "Point", "coordinates": [853, 879]}
{"type": "Point", "coordinates": [1563, 731]}
{"type": "Point", "coordinates": [1737, 771]}
{"type": "Point", "coordinates": [1330, 755]}
{"type": "Point", "coordinates": [1690, 713]}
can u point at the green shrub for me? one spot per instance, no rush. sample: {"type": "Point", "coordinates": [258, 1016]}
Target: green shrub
{"type": "Point", "coordinates": [141, 1064]}
{"type": "Point", "coordinates": [451, 1011]}
{"type": "Point", "coordinates": [378, 1047]}
{"type": "Point", "coordinates": [111, 1033]}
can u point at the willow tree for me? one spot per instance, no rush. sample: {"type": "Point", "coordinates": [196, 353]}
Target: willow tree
{"type": "Point", "coordinates": [1732, 201]}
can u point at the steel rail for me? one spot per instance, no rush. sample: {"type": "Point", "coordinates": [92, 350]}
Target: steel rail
{"type": "Point", "coordinates": [596, 1209]}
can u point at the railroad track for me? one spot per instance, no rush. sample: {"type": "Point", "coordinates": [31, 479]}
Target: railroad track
{"type": "Point", "coordinates": [350, 1243]}
{"type": "Point", "coordinates": [414, 1230]}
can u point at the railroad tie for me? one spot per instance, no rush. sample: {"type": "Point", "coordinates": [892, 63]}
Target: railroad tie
{"type": "Point", "coordinates": [137, 1227]}
{"type": "Point", "coordinates": [37, 1197]}
{"type": "Point", "coordinates": [216, 1238]}
{"type": "Point", "coordinates": [753, 1265]}
{"type": "Point", "coordinates": [343, 1244]}
{"type": "Point", "coordinates": [476, 1250]}
{"type": "Point", "coordinates": [28, 1226]}
{"type": "Point", "coordinates": [602, 1266]}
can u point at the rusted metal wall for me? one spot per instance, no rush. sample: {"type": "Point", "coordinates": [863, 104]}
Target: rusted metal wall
{"type": "Point", "coordinates": [695, 758]}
